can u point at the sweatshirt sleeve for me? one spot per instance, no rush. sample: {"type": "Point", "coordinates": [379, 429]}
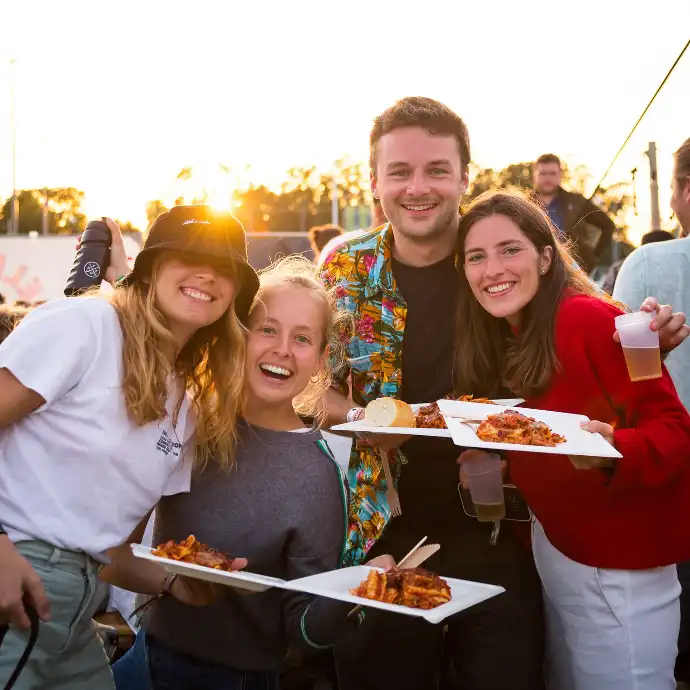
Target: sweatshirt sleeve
{"type": "Point", "coordinates": [318, 622]}
{"type": "Point", "coordinates": [654, 433]}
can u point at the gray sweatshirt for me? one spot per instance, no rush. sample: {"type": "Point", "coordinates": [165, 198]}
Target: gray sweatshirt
{"type": "Point", "coordinates": [283, 507]}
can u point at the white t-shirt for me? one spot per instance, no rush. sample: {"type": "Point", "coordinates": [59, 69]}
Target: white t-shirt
{"type": "Point", "coordinates": [78, 473]}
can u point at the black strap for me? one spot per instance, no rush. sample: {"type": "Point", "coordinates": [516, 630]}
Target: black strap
{"type": "Point", "coordinates": [33, 636]}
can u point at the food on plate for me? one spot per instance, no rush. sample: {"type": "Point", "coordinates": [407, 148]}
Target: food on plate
{"type": "Point", "coordinates": [510, 426]}
{"type": "Point", "coordinates": [429, 417]}
{"type": "Point", "coordinates": [192, 551]}
{"type": "Point", "coordinates": [413, 587]}
{"type": "Point", "coordinates": [389, 412]}
{"type": "Point", "coordinates": [471, 398]}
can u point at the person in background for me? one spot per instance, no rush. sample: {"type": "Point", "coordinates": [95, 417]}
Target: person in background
{"type": "Point", "coordinates": [647, 238]}
{"type": "Point", "coordinates": [607, 533]}
{"type": "Point", "coordinates": [9, 318]}
{"type": "Point", "coordinates": [571, 212]}
{"type": "Point", "coordinates": [665, 269]}
{"type": "Point", "coordinates": [283, 506]}
{"type": "Point", "coordinates": [106, 402]}
{"type": "Point", "coordinates": [378, 218]}
{"type": "Point", "coordinates": [321, 235]}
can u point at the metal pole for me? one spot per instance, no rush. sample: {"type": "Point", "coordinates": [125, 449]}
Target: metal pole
{"type": "Point", "coordinates": [13, 228]}
{"type": "Point", "coordinates": [44, 227]}
{"type": "Point", "coordinates": [654, 186]}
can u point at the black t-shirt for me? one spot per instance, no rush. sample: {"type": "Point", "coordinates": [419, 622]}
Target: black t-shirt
{"type": "Point", "coordinates": [428, 484]}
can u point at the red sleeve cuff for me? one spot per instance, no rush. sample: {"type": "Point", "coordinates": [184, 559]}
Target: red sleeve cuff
{"type": "Point", "coordinates": [628, 467]}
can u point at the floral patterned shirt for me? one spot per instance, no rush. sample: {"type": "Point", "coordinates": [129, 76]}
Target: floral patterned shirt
{"type": "Point", "coordinates": [361, 272]}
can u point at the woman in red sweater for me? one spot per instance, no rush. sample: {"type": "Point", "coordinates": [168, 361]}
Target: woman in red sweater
{"type": "Point", "coordinates": [606, 534]}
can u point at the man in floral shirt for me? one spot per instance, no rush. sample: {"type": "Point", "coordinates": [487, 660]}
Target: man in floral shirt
{"type": "Point", "coordinates": [398, 281]}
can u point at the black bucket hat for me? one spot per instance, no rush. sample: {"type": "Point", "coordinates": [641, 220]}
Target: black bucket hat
{"type": "Point", "coordinates": [205, 232]}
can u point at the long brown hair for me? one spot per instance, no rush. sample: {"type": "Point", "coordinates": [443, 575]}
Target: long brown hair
{"type": "Point", "coordinates": [488, 356]}
{"type": "Point", "coordinates": [210, 367]}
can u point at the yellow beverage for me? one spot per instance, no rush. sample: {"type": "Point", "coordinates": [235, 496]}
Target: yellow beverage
{"type": "Point", "coordinates": [643, 362]}
{"type": "Point", "coordinates": [489, 512]}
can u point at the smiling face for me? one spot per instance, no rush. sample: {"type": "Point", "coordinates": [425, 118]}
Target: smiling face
{"type": "Point", "coordinates": [547, 177]}
{"type": "Point", "coordinates": [192, 292]}
{"type": "Point", "coordinates": [420, 181]}
{"type": "Point", "coordinates": [284, 345]}
{"type": "Point", "coordinates": [503, 267]}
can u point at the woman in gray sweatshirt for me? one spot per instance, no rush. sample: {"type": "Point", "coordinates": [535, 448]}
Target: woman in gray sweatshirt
{"type": "Point", "coordinates": [282, 506]}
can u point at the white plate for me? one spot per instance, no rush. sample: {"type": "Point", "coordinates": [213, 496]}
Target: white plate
{"type": "Point", "coordinates": [361, 427]}
{"type": "Point", "coordinates": [578, 441]}
{"type": "Point", "coordinates": [506, 402]}
{"type": "Point", "coordinates": [337, 584]}
{"type": "Point", "coordinates": [240, 579]}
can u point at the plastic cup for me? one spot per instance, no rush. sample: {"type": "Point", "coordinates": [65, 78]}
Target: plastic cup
{"type": "Point", "coordinates": [485, 482]}
{"type": "Point", "coordinates": [640, 345]}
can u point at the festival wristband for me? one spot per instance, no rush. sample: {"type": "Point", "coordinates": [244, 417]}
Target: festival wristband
{"type": "Point", "coordinates": [355, 414]}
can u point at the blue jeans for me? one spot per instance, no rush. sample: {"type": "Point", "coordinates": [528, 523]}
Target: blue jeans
{"type": "Point", "coordinates": [170, 670]}
{"type": "Point", "coordinates": [131, 671]}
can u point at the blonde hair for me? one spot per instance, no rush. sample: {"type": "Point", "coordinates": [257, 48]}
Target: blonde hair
{"type": "Point", "coordinates": [210, 368]}
{"type": "Point", "coordinates": [298, 271]}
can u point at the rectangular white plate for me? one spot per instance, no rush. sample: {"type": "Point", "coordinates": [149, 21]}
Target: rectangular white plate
{"type": "Point", "coordinates": [361, 427]}
{"type": "Point", "coordinates": [578, 441]}
{"type": "Point", "coordinates": [238, 579]}
{"type": "Point", "coordinates": [337, 584]}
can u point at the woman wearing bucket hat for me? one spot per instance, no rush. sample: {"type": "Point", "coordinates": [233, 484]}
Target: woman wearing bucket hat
{"type": "Point", "coordinates": [105, 405]}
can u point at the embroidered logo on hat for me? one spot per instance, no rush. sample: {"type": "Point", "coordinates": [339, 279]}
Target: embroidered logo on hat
{"type": "Point", "coordinates": [205, 222]}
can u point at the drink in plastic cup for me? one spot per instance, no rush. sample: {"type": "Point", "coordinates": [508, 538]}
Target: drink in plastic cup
{"type": "Point", "coordinates": [485, 482]}
{"type": "Point", "coordinates": [640, 345]}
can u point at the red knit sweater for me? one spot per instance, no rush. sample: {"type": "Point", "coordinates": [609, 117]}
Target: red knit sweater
{"type": "Point", "coordinates": [639, 517]}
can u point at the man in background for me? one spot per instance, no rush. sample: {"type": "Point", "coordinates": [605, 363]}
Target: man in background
{"type": "Point", "coordinates": [571, 212]}
{"type": "Point", "coordinates": [378, 218]}
{"type": "Point", "coordinates": [321, 235]}
{"type": "Point", "coordinates": [664, 269]}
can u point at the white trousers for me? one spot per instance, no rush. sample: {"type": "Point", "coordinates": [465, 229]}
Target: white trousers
{"type": "Point", "coordinates": [607, 629]}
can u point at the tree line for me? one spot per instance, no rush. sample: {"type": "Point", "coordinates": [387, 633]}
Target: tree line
{"type": "Point", "coordinates": [303, 200]}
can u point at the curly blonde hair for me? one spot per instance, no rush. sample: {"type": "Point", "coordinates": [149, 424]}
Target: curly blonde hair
{"type": "Point", "coordinates": [211, 366]}
{"type": "Point", "coordinates": [298, 271]}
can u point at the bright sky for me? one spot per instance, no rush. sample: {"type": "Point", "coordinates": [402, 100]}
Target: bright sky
{"type": "Point", "coordinates": [114, 99]}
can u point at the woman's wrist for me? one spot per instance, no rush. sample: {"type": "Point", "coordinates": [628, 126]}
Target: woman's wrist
{"type": "Point", "coordinates": [119, 272]}
{"type": "Point", "coordinates": [167, 586]}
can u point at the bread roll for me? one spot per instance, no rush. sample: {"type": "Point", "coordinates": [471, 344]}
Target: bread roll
{"type": "Point", "coordinates": [389, 412]}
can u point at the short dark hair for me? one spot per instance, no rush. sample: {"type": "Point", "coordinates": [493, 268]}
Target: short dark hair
{"type": "Point", "coordinates": [548, 158]}
{"type": "Point", "coordinates": [656, 236]}
{"type": "Point", "coordinates": [321, 235]}
{"type": "Point", "coordinates": [417, 111]}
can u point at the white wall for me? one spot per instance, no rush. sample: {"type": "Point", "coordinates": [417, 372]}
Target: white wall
{"type": "Point", "coordinates": [37, 268]}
